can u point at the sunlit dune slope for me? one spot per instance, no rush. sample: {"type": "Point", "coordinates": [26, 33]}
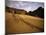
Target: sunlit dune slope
{"type": "Point", "coordinates": [18, 23]}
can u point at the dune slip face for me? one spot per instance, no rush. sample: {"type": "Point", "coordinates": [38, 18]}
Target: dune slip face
{"type": "Point", "coordinates": [23, 23]}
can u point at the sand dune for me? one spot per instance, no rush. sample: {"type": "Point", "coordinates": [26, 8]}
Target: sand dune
{"type": "Point", "coordinates": [18, 23]}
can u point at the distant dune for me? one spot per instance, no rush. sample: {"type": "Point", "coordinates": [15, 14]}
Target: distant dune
{"type": "Point", "coordinates": [16, 11]}
{"type": "Point", "coordinates": [19, 23]}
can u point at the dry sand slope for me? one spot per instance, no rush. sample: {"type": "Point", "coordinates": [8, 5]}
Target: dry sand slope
{"type": "Point", "coordinates": [22, 23]}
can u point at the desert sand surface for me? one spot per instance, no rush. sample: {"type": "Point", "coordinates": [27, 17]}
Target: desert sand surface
{"type": "Point", "coordinates": [18, 23]}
